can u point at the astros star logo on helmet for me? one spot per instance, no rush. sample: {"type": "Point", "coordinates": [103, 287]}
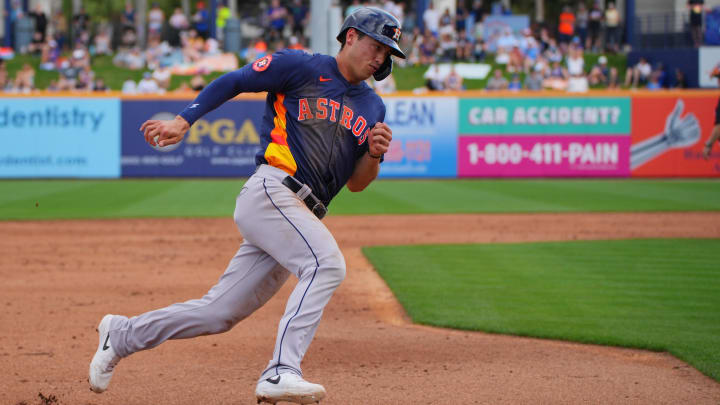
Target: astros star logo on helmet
{"type": "Point", "coordinates": [396, 35]}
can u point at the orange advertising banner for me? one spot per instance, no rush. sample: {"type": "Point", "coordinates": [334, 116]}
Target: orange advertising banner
{"type": "Point", "coordinates": [668, 134]}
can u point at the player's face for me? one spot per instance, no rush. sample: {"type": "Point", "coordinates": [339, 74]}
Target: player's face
{"type": "Point", "coordinates": [367, 56]}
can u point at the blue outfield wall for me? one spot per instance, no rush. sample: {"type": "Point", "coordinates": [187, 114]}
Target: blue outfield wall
{"type": "Point", "coordinates": [59, 137]}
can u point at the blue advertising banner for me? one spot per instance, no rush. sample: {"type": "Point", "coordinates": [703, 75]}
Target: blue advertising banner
{"type": "Point", "coordinates": [425, 132]}
{"type": "Point", "coordinates": [223, 143]}
{"type": "Point", "coordinates": [59, 137]}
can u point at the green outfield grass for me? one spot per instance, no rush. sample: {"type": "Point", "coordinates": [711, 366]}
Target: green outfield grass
{"type": "Point", "coordinates": [660, 295]}
{"type": "Point", "coordinates": [57, 199]}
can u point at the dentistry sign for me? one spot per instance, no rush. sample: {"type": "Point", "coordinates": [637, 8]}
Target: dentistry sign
{"type": "Point", "coordinates": [538, 137]}
{"type": "Point", "coordinates": [59, 137]}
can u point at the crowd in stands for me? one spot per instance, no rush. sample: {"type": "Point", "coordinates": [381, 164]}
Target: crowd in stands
{"type": "Point", "coordinates": [540, 57]}
{"type": "Point", "coordinates": [535, 58]}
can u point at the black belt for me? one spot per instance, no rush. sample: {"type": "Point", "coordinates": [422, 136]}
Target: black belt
{"type": "Point", "coordinates": [305, 193]}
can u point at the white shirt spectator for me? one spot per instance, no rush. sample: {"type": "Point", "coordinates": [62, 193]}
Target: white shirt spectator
{"type": "Point", "coordinates": [507, 41]}
{"type": "Point", "coordinates": [155, 19]}
{"type": "Point", "coordinates": [178, 20]}
{"type": "Point", "coordinates": [147, 85]}
{"type": "Point", "coordinates": [575, 65]}
{"type": "Point", "coordinates": [431, 18]}
{"type": "Point", "coordinates": [644, 68]}
{"type": "Point", "coordinates": [129, 87]}
{"type": "Point", "coordinates": [162, 75]}
{"type": "Point", "coordinates": [577, 84]}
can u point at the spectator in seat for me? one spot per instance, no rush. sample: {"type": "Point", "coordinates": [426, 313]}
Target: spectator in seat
{"type": "Point", "coordinates": [534, 80]}
{"type": "Point", "coordinates": [85, 80]}
{"type": "Point", "coordinates": [497, 81]}
{"type": "Point", "coordinates": [575, 61]}
{"type": "Point", "coordinates": [162, 76]}
{"type": "Point", "coordinates": [515, 84]}
{"type": "Point", "coordinates": [99, 85]}
{"type": "Point", "coordinates": [435, 80]}
{"type": "Point", "coordinates": [4, 77]}
{"type": "Point", "coordinates": [448, 45]}
{"type": "Point", "coordinates": [557, 77]}
{"type": "Point", "coordinates": [479, 50]}
{"type": "Point", "coordinates": [129, 86]}
{"type": "Point", "coordinates": [638, 74]}
{"type": "Point", "coordinates": [464, 50]}
{"type": "Point", "coordinates": [602, 74]}
{"type": "Point", "coordinates": [516, 60]}
{"type": "Point", "coordinates": [101, 42]}
{"type": "Point", "coordinates": [147, 85]}
{"type": "Point", "coordinates": [453, 81]}
{"type": "Point", "coordinates": [428, 48]}
{"type": "Point", "coordinates": [680, 81]}
{"type": "Point", "coordinates": [197, 83]}
{"type": "Point", "coordinates": [25, 79]}
{"type": "Point", "coordinates": [36, 44]}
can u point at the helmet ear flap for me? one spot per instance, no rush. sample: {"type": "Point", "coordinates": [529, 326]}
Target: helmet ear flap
{"type": "Point", "coordinates": [384, 70]}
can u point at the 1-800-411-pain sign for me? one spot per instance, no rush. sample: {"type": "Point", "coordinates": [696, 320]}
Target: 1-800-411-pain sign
{"type": "Point", "coordinates": [528, 156]}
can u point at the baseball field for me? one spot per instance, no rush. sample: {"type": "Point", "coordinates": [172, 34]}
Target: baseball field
{"type": "Point", "coordinates": [457, 291]}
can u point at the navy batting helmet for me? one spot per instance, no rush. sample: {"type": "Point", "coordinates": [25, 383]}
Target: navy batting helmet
{"type": "Point", "coordinates": [380, 26]}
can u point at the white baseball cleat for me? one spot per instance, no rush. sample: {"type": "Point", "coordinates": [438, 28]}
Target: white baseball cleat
{"type": "Point", "coordinates": [105, 359]}
{"type": "Point", "coordinates": [290, 388]}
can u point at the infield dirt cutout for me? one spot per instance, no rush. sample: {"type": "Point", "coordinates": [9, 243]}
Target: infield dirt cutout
{"type": "Point", "coordinates": [61, 277]}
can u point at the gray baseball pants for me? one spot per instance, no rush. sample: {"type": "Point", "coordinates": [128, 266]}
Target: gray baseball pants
{"type": "Point", "coordinates": [279, 233]}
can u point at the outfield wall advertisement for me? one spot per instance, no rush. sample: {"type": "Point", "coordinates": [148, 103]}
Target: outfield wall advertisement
{"type": "Point", "coordinates": [54, 137]}
{"type": "Point", "coordinates": [539, 137]}
{"type": "Point", "coordinates": [639, 135]}
{"type": "Point", "coordinates": [222, 143]}
{"type": "Point", "coordinates": [668, 135]}
{"type": "Point", "coordinates": [424, 140]}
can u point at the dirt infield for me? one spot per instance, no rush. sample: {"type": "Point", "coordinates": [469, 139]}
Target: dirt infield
{"type": "Point", "coordinates": [60, 277]}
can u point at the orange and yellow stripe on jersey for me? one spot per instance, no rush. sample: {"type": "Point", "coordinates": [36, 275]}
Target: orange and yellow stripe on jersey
{"type": "Point", "coordinates": [278, 152]}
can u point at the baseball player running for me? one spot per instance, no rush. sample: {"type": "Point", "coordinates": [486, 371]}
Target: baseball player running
{"type": "Point", "coordinates": [322, 129]}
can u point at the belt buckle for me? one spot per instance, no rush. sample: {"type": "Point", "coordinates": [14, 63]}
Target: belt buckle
{"type": "Point", "coordinates": [319, 210]}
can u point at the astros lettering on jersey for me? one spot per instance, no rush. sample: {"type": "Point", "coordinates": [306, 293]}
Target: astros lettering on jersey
{"type": "Point", "coordinates": [316, 123]}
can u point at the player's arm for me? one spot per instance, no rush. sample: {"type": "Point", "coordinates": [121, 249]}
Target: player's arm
{"type": "Point", "coordinates": [710, 142]}
{"type": "Point", "coordinates": [211, 97]}
{"type": "Point", "coordinates": [270, 73]}
{"type": "Point", "coordinates": [367, 167]}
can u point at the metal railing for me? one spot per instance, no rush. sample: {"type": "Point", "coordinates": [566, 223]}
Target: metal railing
{"type": "Point", "coordinates": [662, 30]}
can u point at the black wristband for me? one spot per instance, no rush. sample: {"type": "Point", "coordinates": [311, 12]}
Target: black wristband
{"type": "Point", "coordinates": [374, 157]}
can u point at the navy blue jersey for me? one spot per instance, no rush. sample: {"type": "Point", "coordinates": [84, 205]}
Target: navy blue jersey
{"type": "Point", "coordinates": [315, 125]}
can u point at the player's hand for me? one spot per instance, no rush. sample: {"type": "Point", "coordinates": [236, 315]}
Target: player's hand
{"type": "Point", "coordinates": [706, 151]}
{"type": "Point", "coordinates": [379, 139]}
{"type": "Point", "coordinates": [169, 132]}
